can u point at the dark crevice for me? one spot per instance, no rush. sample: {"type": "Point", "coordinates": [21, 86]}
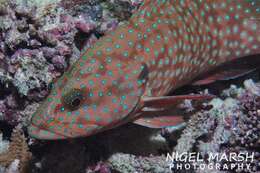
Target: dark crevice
{"type": "Point", "coordinates": [80, 39]}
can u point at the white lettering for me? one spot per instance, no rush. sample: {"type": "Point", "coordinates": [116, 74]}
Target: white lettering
{"type": "Point", "coordinates": [232, 166]}
{"type": "Point", "coordinates": [170, 158]}
{"type": "Point", "coordinates": [248, 166]}
{"type": "Point", "coordinates": [187, 166]}
{"type": "Point", "coordinates": [232, 157]}
{"type": "Point", "coordinates": [202, 166]}
{"type": "Point", "coordinates": [251, 156]}
{"type": "Point", "coordinates": [179, 166]}
{"type": "Point", "coordinates": [225, 167]}
{"type": "Point", "coordinates": [224, 157]}
{"type": "Point", "coordinates": [211, 166]}
{"type": "Point", "coordinates": [213, 156]}
{"type": "Point", "coordinates": [183, 157]}
{"type": "Point", "coordinates": [218, 166]}
{"type": "Point", "coordinates": [192, 157]}
{"type": "Point", "coordinates": [240, 166]}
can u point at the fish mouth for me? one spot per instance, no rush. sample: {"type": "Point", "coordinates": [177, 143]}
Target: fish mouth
{"type": "Point", "coordinates": [43, 134]}
{"type": "Point", "coordinates": [39, 132]}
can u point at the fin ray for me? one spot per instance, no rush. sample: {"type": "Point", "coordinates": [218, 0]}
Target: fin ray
{"type": "Point", "coordinates": [165, 101]}
{"type": "Point", "coordinates": [160, 121]}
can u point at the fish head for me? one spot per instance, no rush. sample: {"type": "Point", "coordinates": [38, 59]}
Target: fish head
{"type": "Point", "coordinates": [95, 94]}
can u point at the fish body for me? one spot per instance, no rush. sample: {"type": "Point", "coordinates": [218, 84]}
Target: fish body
{"type": "Point", "coordinates": [165, 45]}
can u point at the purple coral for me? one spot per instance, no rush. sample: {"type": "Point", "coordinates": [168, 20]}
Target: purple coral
{"type": "Point", "coordinates": [250, 129]}
{"type": "Point", "coordinates": [35, 47]}
{"type": "Point", "coordinates": [231, 126]}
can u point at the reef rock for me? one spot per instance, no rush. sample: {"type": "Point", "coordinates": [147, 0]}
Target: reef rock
{"type": "Point", "coordinates": [232, 125]}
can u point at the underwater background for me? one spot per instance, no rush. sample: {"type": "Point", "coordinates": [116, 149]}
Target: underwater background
{"type": "Point", "coordinates": [40, 39]}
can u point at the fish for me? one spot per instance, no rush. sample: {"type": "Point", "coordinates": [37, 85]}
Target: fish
{"type": "Point", "coordinates": [127, 75]}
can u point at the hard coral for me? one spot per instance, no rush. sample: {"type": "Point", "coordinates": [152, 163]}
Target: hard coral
{"type": "Point", "coordinates": [36, 46]}
{"type": "Point", "coordinates": [38, 43]}
{"type": "Point", "coordinates": [130, 163]}
{"type": "Point", "coordinates": [18, 150]}
{"type": "Point", "coordinates": [232, 125]}
{"type": "Point", "coordinates": [249, 126]}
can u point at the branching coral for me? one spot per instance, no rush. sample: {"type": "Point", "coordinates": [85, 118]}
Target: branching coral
{"type": "Point", "coordinates": [18, 150]}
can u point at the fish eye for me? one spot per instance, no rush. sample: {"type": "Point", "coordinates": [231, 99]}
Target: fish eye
{"type": "Point", "coordinates": [75, 102]}
{"type": "Point", "coordinates": [50, 86]}
{"type": "Point", "coordinates": [72, 99]}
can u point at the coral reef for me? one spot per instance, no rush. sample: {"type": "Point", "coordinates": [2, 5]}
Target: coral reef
{"type": "Point", "coordinates": [232, 125]}
{"type": "Point", "coordinates": [31, 58]}
{"type": "Point", "coordinates": [13, 167]}
{"type": "Point", "coordinates": [4, 144]}
{"type": "Point", "coordinates": [38, 43]}
{"type": "Point", "coordinates": [130, 163]}
{"type": "Point", "coordinates": [39, 40]}
{"type": "Point", "coordinates": [227, 124]}
{"type": "Point", "coordinates": [18, 154]}
{"type": "Point", "coordinates": [93, 153]}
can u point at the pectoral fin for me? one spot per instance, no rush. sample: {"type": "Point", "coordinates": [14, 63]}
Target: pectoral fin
{"type": "Point", "coordinates": [166, 101]}
{"type": "Point", "coordinates": [160, 122]}
{"type": "Point", "coordinates": [159, 112]}
{"type": "Point", "coordinates": [159, 118]}
{"type": "Point", "coordinates": [223, 75]}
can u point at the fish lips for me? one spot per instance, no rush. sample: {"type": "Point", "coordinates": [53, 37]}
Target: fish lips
{"type": "Point", "coordinates": [41, 133]}
{"type": "Point", "coordinates": [38, 133]}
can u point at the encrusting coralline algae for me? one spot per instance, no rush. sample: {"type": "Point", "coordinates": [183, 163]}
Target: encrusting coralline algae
{"type": "Point", "coordinates": [37, 48]}
{"type": "Point", "coordinates": [232, 125]}
{"type": "Point", "coordinates": [31, 59]}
